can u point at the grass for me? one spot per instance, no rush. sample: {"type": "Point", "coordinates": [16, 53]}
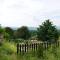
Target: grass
{"type": "Point", "coordinates": [8, 52]}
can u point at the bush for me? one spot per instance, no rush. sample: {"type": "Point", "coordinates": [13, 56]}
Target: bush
{"type": "Point", "coordinates": [7, 48]}
{"type": "Point", "coordinates": [19, 40]}
{"type": "Point", "coordinates": [40, 52]}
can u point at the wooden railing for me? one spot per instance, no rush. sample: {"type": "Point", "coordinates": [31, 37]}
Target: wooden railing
{"type": "Point", "coordinates": [34, 46]}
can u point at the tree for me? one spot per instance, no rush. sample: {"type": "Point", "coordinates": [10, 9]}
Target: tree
{"type": "Point", "coordinates": [47, 32]}
{"type": "Point", "coordinates": [1, 30]}
{"type": "Point", "coordinates": [9, 31]}
{"type": "Point", "coordinates": [6, 36]}
{"type": "Point", "coordinates": [1, 35]}
{"type": "Point", "coordinates": [23, 33]}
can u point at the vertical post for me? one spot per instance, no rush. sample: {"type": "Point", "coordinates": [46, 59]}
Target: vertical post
{"type": "Point", "coordinates": [45, 45]}
{"type": "Point", "coordinates": [32, 47]}
{"type": "Point", "coordinates": [17, 48]}
{"type": "Point", "coordinates": [20, 48]}
{"type": "Point", "coordinates": [25, 47]}
{"type": "Point", "coordinates": [55, 43]}
{"type": "Point", "coordinates": [36, 46]}
{"type": "Point", "coordinates": [42, 45]}
{"type": "Point", "coordinates": [58, 43]}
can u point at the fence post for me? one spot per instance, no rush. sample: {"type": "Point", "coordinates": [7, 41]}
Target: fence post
{"type": "Point", "coordinates": [58, 43]}
{"type": "Point", "coordinates": [20, 48]}
{"type": "Point", "coordinates": [17, 48]}
{"type": "Point", "coordinates": [25, 47]}
{"type": "Point", "coordinates": [42, 45]}
{"type": "Point", "coordinates": [32, 47]}
{"type": "Point", "coordinates": [45, 45]}
{"type": "Point", "coordinates": [36, 46]}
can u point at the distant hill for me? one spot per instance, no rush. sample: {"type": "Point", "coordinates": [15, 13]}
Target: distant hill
{"type": "Point", "coordinates": [33, 28]}
{"type": "Point", "coordinates": [30, 28]}
{"type": "Point", "coordinates": [14, 28]}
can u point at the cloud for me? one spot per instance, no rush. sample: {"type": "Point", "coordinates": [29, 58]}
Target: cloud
{"type": "Point", "coordinates": [28, 12]}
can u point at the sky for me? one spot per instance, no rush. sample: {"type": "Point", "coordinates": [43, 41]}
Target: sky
{"type": "Point", "coordinates": [32, 13]}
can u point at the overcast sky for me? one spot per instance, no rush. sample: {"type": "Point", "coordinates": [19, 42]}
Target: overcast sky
{"type": "Point", "coordinates": [15, 13]}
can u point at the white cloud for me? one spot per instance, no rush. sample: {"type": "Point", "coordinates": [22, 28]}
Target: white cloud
{"type": "Point", "coordinates": [28, 12]}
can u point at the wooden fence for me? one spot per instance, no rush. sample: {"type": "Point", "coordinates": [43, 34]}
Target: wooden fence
{"type": "Point", "coordinates": [34, 46]}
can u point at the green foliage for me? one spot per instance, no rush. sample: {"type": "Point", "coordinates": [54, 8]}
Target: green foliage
{"type": "Point", "coordinates": [59, 32]}
{"type": "Point", "coordinates": [54, 50]}
{"type": "Point", "coordinates": [8, 52]}
{"type": "Point", "coordinates": [33, 35]}
{"type": "Point", "coordinates": [33, 32]}
{"type": "Point", "coordinates": [18, 40]}
{"type": "Point", "coordinates": [9, 31]}
{"type": "Point", "coordinates": [6, 36]}
{"type": "Point", "coordinates": [1, 43]}
{"type": "Point", "coordinates": [1, 30]}
{"type": "Point", "coordinates": [40, 52]}
{"type": "Point", "coordinates": [23, 33]}
{"type": "Point", "coordinates": [7, 48]}
{"type": "Point", "coordinates": [1, 35]}
{"type": "Point", "coordinates": [47, 32]}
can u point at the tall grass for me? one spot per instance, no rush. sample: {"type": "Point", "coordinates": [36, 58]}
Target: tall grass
{"type": "Point", "coordinates": [8, 52]}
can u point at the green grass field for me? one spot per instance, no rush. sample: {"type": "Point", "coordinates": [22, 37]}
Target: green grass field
{"type": "Point", "coordinates": [8, 52]}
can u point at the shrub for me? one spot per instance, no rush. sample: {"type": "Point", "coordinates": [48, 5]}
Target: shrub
{"type": "Point", "coordinates": [7, 48]}
{"type": "Point", "coordinates": [40, 51]}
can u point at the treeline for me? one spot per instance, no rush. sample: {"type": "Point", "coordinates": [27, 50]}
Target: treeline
{"type": "Point", "coordinates": [22, 33]}
{"type": "Point", "coordinates": [45, 32]}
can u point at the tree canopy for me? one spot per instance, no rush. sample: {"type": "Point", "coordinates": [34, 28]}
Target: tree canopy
{"type": "Point", "coordinates": [47, 32]}
{"type": "Point", "coordinates": [9, 31]}
{"type": "Point", "coordinates": [23, 33]}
